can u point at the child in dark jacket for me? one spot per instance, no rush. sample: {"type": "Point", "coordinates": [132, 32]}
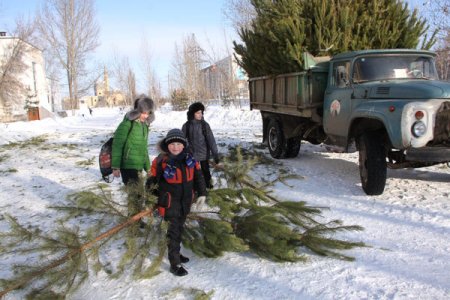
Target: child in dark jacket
{"type": "Point", "coordinates": [178, 176]}
{"type": "Point", "coordinates": [201, 139]}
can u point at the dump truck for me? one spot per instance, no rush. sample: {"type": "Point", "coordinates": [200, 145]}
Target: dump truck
{"type": "Point", "coordinates": [389, 105]}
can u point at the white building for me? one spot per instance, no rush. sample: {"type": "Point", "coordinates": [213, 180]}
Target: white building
{"type": "Point", "coordinates": [33, 89]}
{"type": "Point", "coordinates": [225, 79]}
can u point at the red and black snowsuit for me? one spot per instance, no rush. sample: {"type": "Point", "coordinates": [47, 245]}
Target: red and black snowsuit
{"type": "Point", "coordinates": [178, 179]}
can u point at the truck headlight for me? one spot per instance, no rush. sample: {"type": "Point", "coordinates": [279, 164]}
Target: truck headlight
{"type": "Point", "coordinates": [418, 129]}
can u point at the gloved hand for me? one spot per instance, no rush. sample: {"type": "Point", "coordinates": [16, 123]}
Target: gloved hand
{"type": "Point", "coordinates": [148, 183]}
{"type": "Point", "coordinates": [201, 200]}
{"type": "Point", "coordinates": [217, 164]}
{"type": "Point", "coordinates": [116, 172]}
{"type": "Point", "coordinates": [150, 186]}
{"type": "Point", "coordinates": [200, 204]}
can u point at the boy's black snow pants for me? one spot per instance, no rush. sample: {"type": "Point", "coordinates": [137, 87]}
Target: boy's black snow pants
{"type": "Point", "coordinates": [176, 226]}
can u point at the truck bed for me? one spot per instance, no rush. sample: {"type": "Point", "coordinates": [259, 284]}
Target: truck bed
{"type": "Point", "coordinates": [297, 94]}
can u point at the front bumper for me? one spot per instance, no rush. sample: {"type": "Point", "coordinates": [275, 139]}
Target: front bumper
{"type": "Point", "coordinates": [429, 154]}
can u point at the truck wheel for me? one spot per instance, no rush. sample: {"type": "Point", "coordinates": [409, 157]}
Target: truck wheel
{"type": "Point", "coordinates": [277, 142]}
{"type": "Point", "coordinates": [293, 147]}
{"type": "Point", "coordinates": [372, 164]}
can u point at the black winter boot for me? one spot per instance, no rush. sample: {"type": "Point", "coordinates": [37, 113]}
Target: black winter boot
{"type": "Point", "coordinates": [178, 270]}
{"type": "Point", "coordinates": [184, 259]}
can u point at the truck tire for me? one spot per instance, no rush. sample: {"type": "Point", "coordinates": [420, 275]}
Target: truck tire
{"type": "Point", "coordinates": [276, 140]}
{"type": "Point", "coordinates": [293, 147]}
{"type": "Point", "coordinates": [372, 164]}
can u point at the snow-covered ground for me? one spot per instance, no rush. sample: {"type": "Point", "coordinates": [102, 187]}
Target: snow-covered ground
{"type": "Point", "coordinates": [408, 227]}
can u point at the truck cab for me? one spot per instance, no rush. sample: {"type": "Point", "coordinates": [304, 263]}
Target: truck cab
{"type": "Point", "coordinates": [388, 103]}
{"type": "Point", "coordinates": [392, 105]}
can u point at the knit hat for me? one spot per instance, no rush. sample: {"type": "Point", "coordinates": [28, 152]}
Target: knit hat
{"type": "Point", "coordinates": [175, 135]}
{"type": "Point", "coordinates": [142, 104]}
{"type": "Point", "coordinates": [193, 108]}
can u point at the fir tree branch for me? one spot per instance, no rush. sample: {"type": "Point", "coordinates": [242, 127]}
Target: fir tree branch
{"type": "Point", "coordinates": [197, 215]}
{"type": "Point", "coordinates": [72, 254]}
{"type": "Point", "coordinates": [87, 210]}
{"type": "Point", "coordinates": [253, 186]}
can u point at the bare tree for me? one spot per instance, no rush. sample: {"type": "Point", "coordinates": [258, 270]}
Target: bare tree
{"type": "Point", "coordinates": [178, 71]}
{"type": "Point", "coordinates": [193, 58]}
{"type": "Point", "coordinates": [437, 13]}
{"type": "Point", "coordinates": [152, 83]}
{"type": "Point", "coordinates": [131, 83]}
{"type": "Point", "coordinates": [220, 78]}
{"type": "Point", "coordinates": [12, 66]}
{"type": "Point", "coordinates": [124, 77]}
{"type": "Point", "coordinates": [443, 57]}
{"type": "Point", "coordinates": [70, 31]}
{"type": "Point", "coordinates": [240, 13]}
{"type": "Point", "coordinates": [186, 66]}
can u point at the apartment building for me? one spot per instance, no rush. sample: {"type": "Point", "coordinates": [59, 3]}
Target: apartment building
{"type": "Point", "coordinates": [26, 91]}
{"type": "Point", "coordinates": [225, 80]}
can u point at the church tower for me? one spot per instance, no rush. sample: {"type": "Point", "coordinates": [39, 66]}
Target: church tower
{"type": "Point", "coordinates": [102, 86]}
{"type": "Point", "coordinates": [105, 81]}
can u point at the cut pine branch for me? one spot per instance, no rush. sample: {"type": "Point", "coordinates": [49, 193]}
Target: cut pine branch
{"type": "Point", "coordinates": [35, 274]}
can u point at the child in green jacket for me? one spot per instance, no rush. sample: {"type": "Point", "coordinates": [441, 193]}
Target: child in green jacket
{"type": "Point", "coordinates": [129, 148]}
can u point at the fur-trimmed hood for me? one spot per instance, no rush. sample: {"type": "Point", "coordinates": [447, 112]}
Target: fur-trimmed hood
{"type": "Point", "coordinates": [142, 104]}
{"type": "Point", "coordinates": [193, 108]}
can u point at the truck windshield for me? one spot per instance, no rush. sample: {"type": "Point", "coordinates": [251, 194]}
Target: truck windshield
{"type": "Point", "coordinates": [393, 67]}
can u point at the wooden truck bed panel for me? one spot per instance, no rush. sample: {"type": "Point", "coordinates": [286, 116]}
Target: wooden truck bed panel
{"type": "Point", "coordinates": [297, 94]}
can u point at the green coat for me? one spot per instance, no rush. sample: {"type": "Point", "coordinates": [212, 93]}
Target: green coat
{"type": "Point", "coordinates": [131, 153]}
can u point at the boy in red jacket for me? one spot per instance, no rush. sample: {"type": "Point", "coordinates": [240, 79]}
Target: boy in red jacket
{"type": "Point", "coordinates": [178, 176]}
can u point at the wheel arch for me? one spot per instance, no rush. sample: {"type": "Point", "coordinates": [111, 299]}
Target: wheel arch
{"type": "Point", "coordinates": [361, 125]}
{"type": "Point", "coordinates": [291, 125]}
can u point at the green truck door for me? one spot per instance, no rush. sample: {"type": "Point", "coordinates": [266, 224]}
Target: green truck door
{"type": "Point", "coordinates": [337, 103]}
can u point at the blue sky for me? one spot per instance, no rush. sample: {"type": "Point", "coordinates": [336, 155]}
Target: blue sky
{"type": "Point", "coordinates": [124, 24]}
